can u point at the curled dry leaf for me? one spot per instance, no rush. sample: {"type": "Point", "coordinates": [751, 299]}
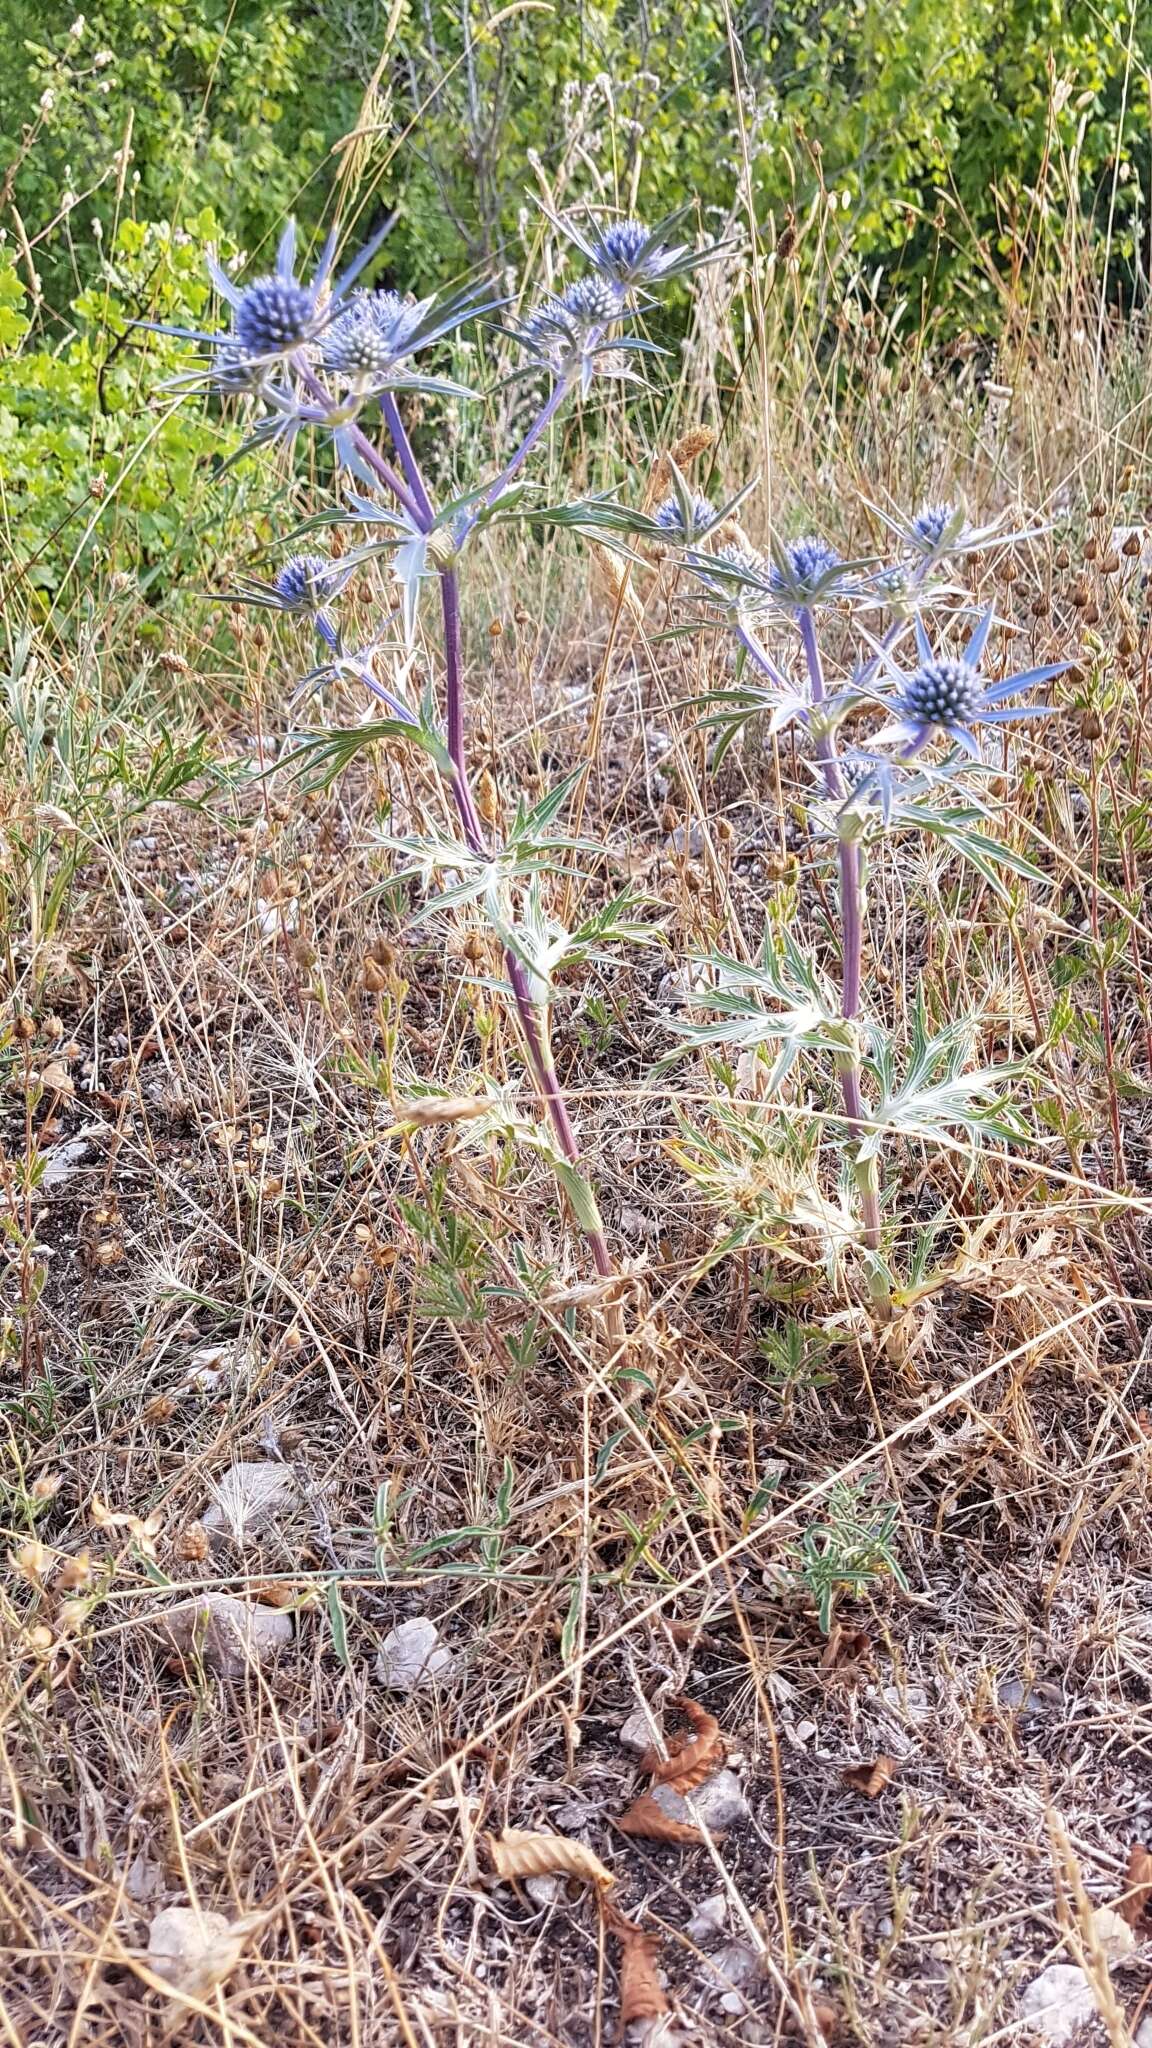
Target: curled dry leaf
{"type": "Point", "coordinates": [520, 1852]}
{"type": "Point", "coordinates": [442, 1109]}
{"type": "Point", "coordinates": [641, 1992]}
{"type": "Point", "coordinates": [644, 1817]}
{"type": "Point", "coordinates": [1136, 1905]}
{"type": "Point", "coordinates": [845, 1646]}
{"type": "Point", "coordinates": [692, 1758]}
{"type": "Point", "coordinates": [870, 1779]}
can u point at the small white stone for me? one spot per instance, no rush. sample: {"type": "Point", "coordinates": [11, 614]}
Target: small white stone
{"type": "Point", "coordinates": [192, 1951]}
{"type": "Point", "coordinates": [708, 1918]}
{"type": "Point", "coordinates": [715, 1804]}
{"type": "Point", "coordinates": [1143, 2034]}
{"type": "Point", "coordinates": [413, 1655]}
{"type": "Point", "coordinates": [544, 1891]}
{"type": "Point", "coordinates": [803, 1733]}
{"type": "Point", "coordinates": [1113, 1933]}
{"type": "Point", "coordinates": [228, 1634]}
{"type": "Point", "coordinates": [640, 1731]}
{"type": "Point", "coordinates": [1058, 2002]}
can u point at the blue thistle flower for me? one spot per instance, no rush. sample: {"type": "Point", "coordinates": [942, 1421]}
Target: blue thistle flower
{"type": "Point", "coordinates": [630, 255]}
{"type": "Point", "coordinates": [277, 314]}
{"type": "Point", "coordinates": [935, 524]}
{"type": "Point", "coordinates": [948, 695]}
{"type": "Point", "coordinates": [568, 330]}
{"type": "Point", "coordinates": [377, 331]}
{"type": "Point", "coordinates": [805, 569]}
{"type": "Point", "coordinates": [306, 582]}
{"type": "Point", "coordinates": [670, 518]}
{"type": "Point", "coordinates": [373, 333]}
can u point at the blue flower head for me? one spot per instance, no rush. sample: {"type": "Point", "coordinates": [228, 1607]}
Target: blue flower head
{"type": "Point", "coordinates": [934, 525]}
{"type": "Point", "coordinates": [947, 695]}
{"type": "Point", "coordinates": [671, 520]}
{"type": "Point", "coordinates": [306, 582]}
{"type": "Point", "coordinates": [629, 255]}
{"type": "Point", "coordinates": [277, 314]}
{"type": "Point", "coordinates": [568, 330]}
{"type": "Point", "coordinates": [371, 335]}
{"type": "Point", "coordinates": [808, 571]}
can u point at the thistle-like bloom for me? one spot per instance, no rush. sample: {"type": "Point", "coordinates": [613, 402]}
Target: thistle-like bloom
{"type": "Point", "coordinates": [378, 331]}
{"type": "Point", "coordinates": [274, 315]}
{"type": "Point", "coordinates": [670, 518]}
{"type": "Point", "coordinates": [630, 255]}
{"type": "Point", "coordinates": [938, 531]}
{"type": "Point", "coordinates": [306, 584]}
{"type": "Point", "coordinates": [568, 331]}
{"type": "Point", "coordinates": [947, 695]}
{"type": "Point", "coordinates": [808, 572]}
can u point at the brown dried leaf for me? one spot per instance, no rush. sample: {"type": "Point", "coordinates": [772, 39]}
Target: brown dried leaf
{"type": "Point", "coordinates": [870, 1779]}
{"type": "Point", "coordinates": [56, 1079]}
{"type": "Point", "coordinates": [641, 1992]}
{"type": "Point", "coordinates": [693, 1758]}
{"type": "Point", "coordinates": [1136, 1903]}
{"type": "Point", "coordinates": [644, 1817]}
{"type": "Point", "coordinates": [520, 1852]}
{"type": "Point", "coordinates": [845, 1646]}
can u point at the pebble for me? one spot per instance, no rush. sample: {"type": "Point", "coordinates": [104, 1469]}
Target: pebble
{"type": "Point", "coordinates": [708, 1918]}
{"type": "Point", "coordinates": [1058, 2002]}
{"type": "Point", "coordinates": [413, 1656]}
{"type": "Point", "coordinates": [718, 1803]}
{"type": "Point", "coordinates": [228, 1634]}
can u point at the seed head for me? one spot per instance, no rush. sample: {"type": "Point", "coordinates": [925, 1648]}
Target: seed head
{"type": "Point", "coordinates": [944, 692]}
{"type": "Point", "coordinates": [670, 517]}
{"type": "Point", "coordinates": [273, 314]}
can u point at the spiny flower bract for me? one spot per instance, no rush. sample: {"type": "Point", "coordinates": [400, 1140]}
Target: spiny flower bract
{"type": "Point", "coordinates": [670, 518]}
{"type": "Point", "coordinates": [277, 314]}
{"type": "Point", "coordinates": [948, 695]}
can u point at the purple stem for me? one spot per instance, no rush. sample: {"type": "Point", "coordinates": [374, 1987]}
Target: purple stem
{"type": "Point", "coordinates": [543, 420]}
{"type": "Point", "coordinates": [852, 924]}
{"type": "Point", "coordinates": [426, 516]}
{"type": "Point", "coordinates": [533, 1028]}
{"type": "Point", "coordinates": [364, 447]}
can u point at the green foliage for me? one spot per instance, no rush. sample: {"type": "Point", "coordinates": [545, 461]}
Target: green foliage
{"type": "Point", "coordinates": [940, 143]}
{"type": "Point", "coordinates": [96, 465]}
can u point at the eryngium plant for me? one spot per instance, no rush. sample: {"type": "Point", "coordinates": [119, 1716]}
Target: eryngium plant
{"type": "Point", "coordinates": [330, 356]}
{"type": "Point", "coordinates": [934, 710]}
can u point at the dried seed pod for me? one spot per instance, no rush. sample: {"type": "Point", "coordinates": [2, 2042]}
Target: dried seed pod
{"type": "Point", "coordinates": [1110, 565]}
{"type": "Point", "coordinates": [1091, 548]}
{"type": "Point", "coordinates": [191, 1544]}
{"type": "Point", "coordinates": [870, 1779]}
{"type": "Point", "coordinates": [1098, 509]}
{"type": "Point", "coordinates": [1062, 559]}
{"type": "Point", "coordinates": [690, 1759]}
{"type": "Point", "coordinates": [1133, 543]}
{"type": "Point", "coordinates": [522, 1852]}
